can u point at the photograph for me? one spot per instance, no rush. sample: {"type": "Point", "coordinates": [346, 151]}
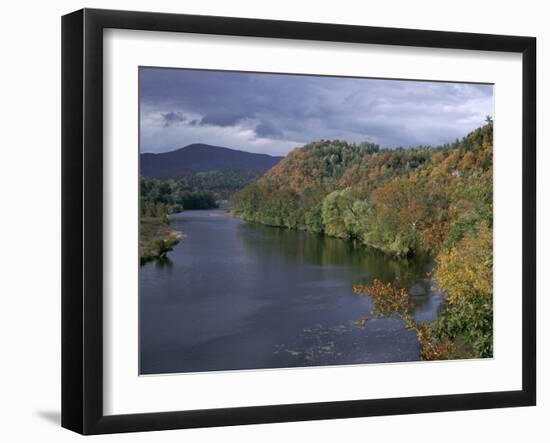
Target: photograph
{"type": "Point", "coordinates": [298, 220]}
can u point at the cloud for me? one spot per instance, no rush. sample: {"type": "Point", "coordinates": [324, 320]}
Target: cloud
{"type": "Point", "coordinates": [274, 113]}
{"type": "Point", "coordinates": [172, 118]}
{"type": "Point", "coordinates": [268, 129]}
{"type": "Point", "coordinates": [224, 117]}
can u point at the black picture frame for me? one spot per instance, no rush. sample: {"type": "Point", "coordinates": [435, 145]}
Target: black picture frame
{"type": "Point", "coordinates": [82, 218]}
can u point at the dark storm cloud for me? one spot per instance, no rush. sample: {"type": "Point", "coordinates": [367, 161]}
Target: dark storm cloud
{"type": "Point", "coordinates": [268, 129]}
{"type": "Point", "coordinates": [172, 118]}
{"type": "Point", "coordinates": [273, 113]}
{"type": "Point", "coordinates": [223, 117]}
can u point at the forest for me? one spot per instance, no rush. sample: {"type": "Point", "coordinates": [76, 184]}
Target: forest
{"type": "Point", "coordinates": [422, 200]}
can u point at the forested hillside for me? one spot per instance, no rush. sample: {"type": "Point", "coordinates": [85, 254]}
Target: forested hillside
{"type": "Point", "coordinates": [401, 201]}
{"type": "Point", "coordinates": [404, 202]}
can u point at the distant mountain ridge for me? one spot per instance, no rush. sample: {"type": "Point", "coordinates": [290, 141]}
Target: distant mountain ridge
{"type": "Point", "coordinates": [202, 157]}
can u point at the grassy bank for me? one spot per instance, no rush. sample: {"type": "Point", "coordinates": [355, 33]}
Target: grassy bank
{"type": "Point", "coordinates": [156, 238]}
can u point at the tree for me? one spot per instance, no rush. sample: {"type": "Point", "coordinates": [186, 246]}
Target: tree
{"type": "Point", "coordinates": [357, 219]}
{"type": "Point", "coordinates": [389, 300]}
{"type": "Point", "coordinates": [335, 208]}
{"type": "Point", "coordinates": [465, 273]}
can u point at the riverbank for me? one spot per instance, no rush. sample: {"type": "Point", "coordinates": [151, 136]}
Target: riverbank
{"type": "Point", "coordinates": [156, 238]}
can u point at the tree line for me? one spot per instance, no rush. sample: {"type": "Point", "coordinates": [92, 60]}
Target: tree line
{"type": "Point", "coordinates": [161, 197]}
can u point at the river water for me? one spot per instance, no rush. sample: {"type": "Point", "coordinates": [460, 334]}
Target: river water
{"type": "Point", "coordinates": [235, 295]}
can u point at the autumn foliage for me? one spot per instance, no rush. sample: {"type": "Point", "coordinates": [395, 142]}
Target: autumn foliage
{"type": "Point", "coordinates": [434, 200]}
{"type": "Point", "coordinates": [401, 201]}
{"type": "Point", "coordinates": [465, 273]}
{"type": "Point", "coordinates": [389, 300]}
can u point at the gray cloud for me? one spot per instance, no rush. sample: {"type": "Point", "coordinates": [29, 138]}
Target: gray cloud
{"type": "Point", "coordinates": [273, 113]}
{"type": "Point", "coordinates": [173, 118]}
{"type": "Point", "coordinates": [223, 117]}
{"type": "Point", "coordinates": [267, 129]}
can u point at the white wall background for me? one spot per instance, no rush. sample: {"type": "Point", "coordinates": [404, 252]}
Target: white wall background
{"type": "Point", "coordinates": [30, 219]}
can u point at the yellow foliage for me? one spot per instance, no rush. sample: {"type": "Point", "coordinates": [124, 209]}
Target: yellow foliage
{"type": "Point", "coordinates": [468, 267]}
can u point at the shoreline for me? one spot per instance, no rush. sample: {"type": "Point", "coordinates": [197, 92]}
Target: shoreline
{"type": "Point", "coordinates": [157, 238]}
{"type": "Point", "coordinates": [224, 214]}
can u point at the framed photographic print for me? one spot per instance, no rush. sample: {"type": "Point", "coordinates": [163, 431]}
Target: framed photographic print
{"type": "Point", "coordinates": [269, 221]}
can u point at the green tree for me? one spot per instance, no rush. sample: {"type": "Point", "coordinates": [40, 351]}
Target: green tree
{"type": "Point", "coordinates": [335, 208]}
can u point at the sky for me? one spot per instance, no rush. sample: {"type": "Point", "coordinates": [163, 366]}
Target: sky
{"type": "Point", "coordinates": [275, 113]}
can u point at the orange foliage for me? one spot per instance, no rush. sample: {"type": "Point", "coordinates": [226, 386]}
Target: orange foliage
{"type": "Point", "coordinates": [389, 300]}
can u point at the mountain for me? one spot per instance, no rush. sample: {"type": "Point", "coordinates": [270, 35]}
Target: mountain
{"type": "Point", "coordinates": [201, 157]}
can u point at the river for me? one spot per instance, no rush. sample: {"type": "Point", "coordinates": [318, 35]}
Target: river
{"type": "Point", "coordinates": [235, 295]}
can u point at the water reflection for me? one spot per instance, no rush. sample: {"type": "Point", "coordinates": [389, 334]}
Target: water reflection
{"type": "Point", "coordinates": [241, 296]}
{"type": "Point", "coordinates": [314, 249]}
{"type": "Point", "coordinates": [164, 263]}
